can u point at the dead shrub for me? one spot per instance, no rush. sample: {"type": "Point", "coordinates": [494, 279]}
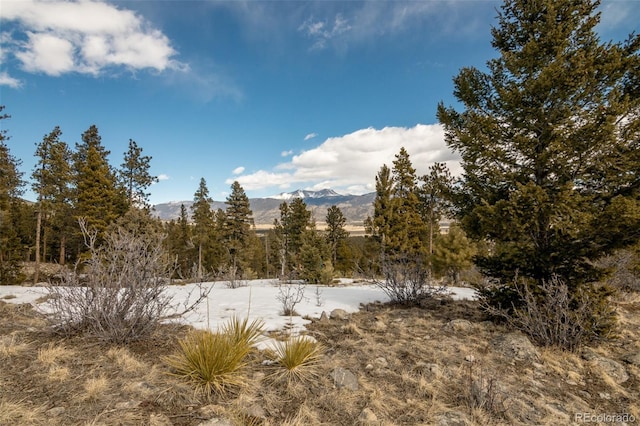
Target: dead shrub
{"type": "Point", "coordinates": [552, 315]}
{"type": "Point", "coordinates": [407, 280]}
{"type": "Point", "coordinates": [121, 296]}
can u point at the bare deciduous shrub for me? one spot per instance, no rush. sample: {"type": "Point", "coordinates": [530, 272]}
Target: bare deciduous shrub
{"type": "Point", "coordinates": [289, 295]}
{"type": "Point", "coordinates": [121, 295]}
{"type": "Point", "coordinates": [408, 281]}
{"type": "Point", "coordinates": [554, 316]}
{"type": "Point", "coordinates": [482, 391]}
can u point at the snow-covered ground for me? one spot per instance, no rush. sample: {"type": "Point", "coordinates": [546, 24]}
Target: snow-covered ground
{"type": "Point", "coordinates": [258, 299]}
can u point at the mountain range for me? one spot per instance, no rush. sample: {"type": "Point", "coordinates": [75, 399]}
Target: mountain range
{"type": "Point", "coordinates": [355, 208]}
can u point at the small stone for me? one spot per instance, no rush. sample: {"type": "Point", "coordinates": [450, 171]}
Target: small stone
{"type": "Point", "coordinates": [613, 369]}
{"type": "Point", "coordinates": [604, 395]}
{"type": "Point", "coordinates": [470, 358]}
{"type": "Point", "coordinates": [344, 378]}
{"type": "Point", "coordinates": [159, 420]}
{"type": "Point", "coordinates": [324, 317]}
{"type": "Point", "coordinates": [632, 358]}
{"type": "Point", "coordinates": [367, 417]}
{"type": "Point", "coordinates": [339, 314]}
{"type": "Point", "coordinates": [458, 325]}
{"type": "Point", "coordinates": [369, 367]}
{"type": "Point", "coordinates": [55, 411]}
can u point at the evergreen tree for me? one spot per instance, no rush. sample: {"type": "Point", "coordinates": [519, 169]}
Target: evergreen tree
{"type": "Point", "coordinates": [336, 233]}
{"type": "Point", "coordinates": [453, 253]}
{"type": "Point", "coordinates": [435, 196]}
{"type": "Point", "coordinates": [550, 143]}
{"type": "Point", "coordinates": [11, 182]}
{"type": "Point", "coordinates": [52, 178]}
{"type": "Point", "coordinates": [378, 227]}
{"type": "Point", "coordinates": [238, 227]}
{"type": "Point", "coordinates": [406, 228]}
{"type": "Point", "coordinates": [98, 197]}
{"type": "Point", "coordinates": [135, 176]}
{"type": "Point", "coordinates": [10, 189]}
{"type": "Point", "coordinates": [203, 218]}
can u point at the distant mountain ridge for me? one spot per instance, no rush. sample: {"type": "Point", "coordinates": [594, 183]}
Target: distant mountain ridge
{"type": "Point", "coordinates": [355, 208]}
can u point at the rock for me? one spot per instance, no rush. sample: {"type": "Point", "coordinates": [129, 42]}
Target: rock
{"type": "Point", "coordinates": [458, 325]}
{"type": "Point", "coordinates": [254, 411]}
{"type": "Point", "coordinates": [324, 317]}
{"type": "Point", "coordinates": [368, 417]}
{"type": "Point", "coordinates": [632, 358]}
{"type": "Point", "coordinates": [55, 411]}
{"type": "Point", "coordinates": [339, 314]}
{"type": "Point", "coordinates": [613, 369]}
{"type": "Point", "coordinates": [452, 418]}
{"type": "Point", "coordinates": [344, 378]}
{"type": "Point", "coordinates": [216, 421]}
{"type": "Point", "coordinates": [516, 346]}
{"type": "Point", "coordinates": [430, 368]}
{"type": "Point", "coordinates": [470, 358]}
{"type": "Point", "coordinates": [159, 420]}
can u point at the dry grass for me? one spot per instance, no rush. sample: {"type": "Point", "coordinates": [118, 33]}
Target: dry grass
{"type": "Point", "coordinates": [20, 412]}
{"type": "Point", "coordinates": [52, 354]}
{"type": "Point", "coordinates": [410, 365]}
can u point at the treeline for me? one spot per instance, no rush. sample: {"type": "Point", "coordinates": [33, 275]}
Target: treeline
{"type": "Point", "coordinates": [71, 184]}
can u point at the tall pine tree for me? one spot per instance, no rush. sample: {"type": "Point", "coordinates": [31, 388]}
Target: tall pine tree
{"type": "Point", "coordinates": [52, 178]}
{"type": "Point", "coordinates": [11, 184]}
{"type": "Point", "coordinates": [135, 176]}
{"type": "Point", "coordinates": [98, 197]}
{"type": "Point", "coordinates": [550, 143]}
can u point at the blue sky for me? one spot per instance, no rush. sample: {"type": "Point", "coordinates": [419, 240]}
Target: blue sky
{"type": "Point", "coordinates": [278, 95]}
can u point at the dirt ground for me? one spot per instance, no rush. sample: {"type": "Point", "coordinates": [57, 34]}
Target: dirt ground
{"type": "Point", "coordinates": [438, 365]}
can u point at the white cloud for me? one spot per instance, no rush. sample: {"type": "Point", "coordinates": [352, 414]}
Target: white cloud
{"type": "Point", "coordinates": [84, 36]}
{"type": "Point", "coordinates": [238, 170]}
{"type": "Point", "coordinates": [310, 136]}
{"type": "Point", "coordinates": [286, 153]}
{"type": "Point", "coordinates": [323, 31]}
{"type": "Point", "coordinates": [163, 176]}
{"type": "Point", "coordinates": [350, 163]}
{"type": "Point", "coordinates": [7, 80]}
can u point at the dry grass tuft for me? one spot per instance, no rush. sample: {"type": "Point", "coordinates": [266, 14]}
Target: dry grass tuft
{"type": "Point", "coordinates": [12, 345]}
{"type": "Point", "coordinates": [95, 388]}
{"type": "Point", "coordinates": [125, 360]}
{"type": "Point", "coordinates": [20, 412]}
{"type": "Point", "coordinates": [58, 374]}
{"type": "Point", "coordinates": [298, 359]}
{"type": "Point", "coordinates": [51, 354]}
{"type": "Point", "coordinates": [214, 362]}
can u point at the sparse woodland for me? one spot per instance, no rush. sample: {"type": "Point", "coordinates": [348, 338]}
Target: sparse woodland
{"type": "Point", "coordinates": [546, 228]}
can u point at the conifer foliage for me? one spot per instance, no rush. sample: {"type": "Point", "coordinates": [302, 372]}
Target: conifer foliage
{"type": "Point", "coordinates": [550, 145]}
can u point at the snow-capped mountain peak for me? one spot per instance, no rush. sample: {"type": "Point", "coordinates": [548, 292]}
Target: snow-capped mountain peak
{"type": "Point", "coordinates": [302, 193]}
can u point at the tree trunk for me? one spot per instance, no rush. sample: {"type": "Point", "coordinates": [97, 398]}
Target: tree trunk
{"type": "Point", "coordinates": [36, 271]}
{"type": "Point", "coordinates": [63, 241]}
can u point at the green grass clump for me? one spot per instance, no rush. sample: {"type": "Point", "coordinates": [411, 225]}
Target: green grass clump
{"type": "Point", "coordinates": [298, 359]}
{"type": "Point", "coordinates": [215, 362]}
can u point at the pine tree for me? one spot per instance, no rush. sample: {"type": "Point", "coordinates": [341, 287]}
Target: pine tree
{"type": "Point", "coordinates": [98, 197]}
{"type": "Point", "coordinates": [336, 233]}
{"type": "Point", "coordinates": [52, 178]}
{"type": "Point", "coordinates": [238, 227]}
{"type": "Point", "coordinates": [550, 143]}
{"type": "Point", "coordinates": [435, 195]}
{"type": "Point", "coordinates": [11, 184]}
{"type": "Point", "coordinates": [204, 220]}
{"type": "Point", "coordinates": [406, 228]}
{"type": "Point", "coordinates": [378, 227]}
{"type": "Point", "coordinates": [135, 176]}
